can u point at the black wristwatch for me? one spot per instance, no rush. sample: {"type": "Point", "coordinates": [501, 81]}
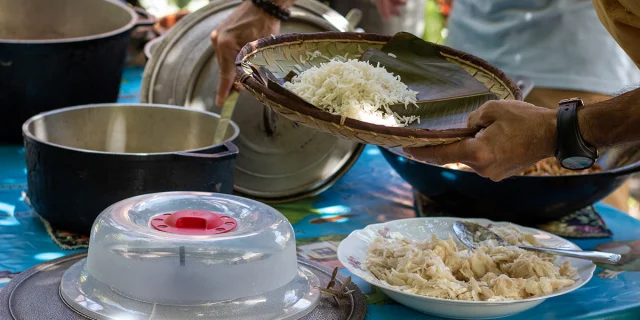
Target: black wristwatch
{"type": "Point", "coordinates": [572, 151]}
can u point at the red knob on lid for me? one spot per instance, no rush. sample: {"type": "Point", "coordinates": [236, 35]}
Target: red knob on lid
{"type": "Point", "coordinates": [194, 222]}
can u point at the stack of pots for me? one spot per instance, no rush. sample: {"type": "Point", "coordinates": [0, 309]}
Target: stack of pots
{"type": "Point", "coordinates": [61, 64]}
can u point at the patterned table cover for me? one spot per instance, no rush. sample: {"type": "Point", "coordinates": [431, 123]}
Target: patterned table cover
{"type": "Point", "coordinates": [370, 192]}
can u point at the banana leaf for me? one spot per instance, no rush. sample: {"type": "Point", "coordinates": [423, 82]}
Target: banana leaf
{"type": "Point", "coordinates": [447, 94]}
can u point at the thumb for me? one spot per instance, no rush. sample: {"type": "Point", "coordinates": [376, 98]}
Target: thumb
{"type": "Point", "coordinates": [462, 151]}
{"type": "Point", "coordinates": [214, 36]}
{"type": "Point", "coordinates": [483, 116]}
{"type": "Point", "coordinates": [227, 71]}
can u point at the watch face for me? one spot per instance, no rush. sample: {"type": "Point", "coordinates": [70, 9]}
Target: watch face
{"type": "Point", "coordinates": [577, 163]}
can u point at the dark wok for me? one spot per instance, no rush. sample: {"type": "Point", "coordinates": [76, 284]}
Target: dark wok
{"type": "Point", "coordinates": [520, 199]}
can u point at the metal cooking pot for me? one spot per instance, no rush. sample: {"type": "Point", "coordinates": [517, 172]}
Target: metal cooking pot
{"type": "Point", "coordinates": [80, 160]}
{"type": "Point", "coordinates": [59, 53]}
{"type": "Point", "coordinates": [279, 160]}
{"type": "Point", "coordinates": [522, 199]}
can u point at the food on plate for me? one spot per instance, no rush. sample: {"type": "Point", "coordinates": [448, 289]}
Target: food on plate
{"type": "Point", "coordinates": [546, 167]}
{"type": "Point", "coordinates": [439, 268]}
{"type": "Point", "coordinates": [355, 89]}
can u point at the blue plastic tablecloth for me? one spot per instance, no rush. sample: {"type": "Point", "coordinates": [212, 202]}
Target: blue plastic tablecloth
{"type": "Point", "coordinates": [356, 200]}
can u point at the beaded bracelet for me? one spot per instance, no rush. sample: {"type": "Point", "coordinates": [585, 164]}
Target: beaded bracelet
{"type": "Point", "coordinates": [272, 9]}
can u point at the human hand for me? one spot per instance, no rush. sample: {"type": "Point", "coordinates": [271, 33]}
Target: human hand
{"type": "Point", "coordinates": [514, 135]}
{"type": "Point", "coordinates": [246, 24]}
{"type": "Point", "coordinates": [386, 8]}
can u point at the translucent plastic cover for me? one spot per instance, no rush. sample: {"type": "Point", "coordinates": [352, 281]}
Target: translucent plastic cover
{"type": "Point", "coordinates": [139, 265]}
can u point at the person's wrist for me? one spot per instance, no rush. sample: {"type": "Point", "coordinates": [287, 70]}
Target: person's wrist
{"type": "Point", "coordinates": [284, 4]}
{"type": "Point", "coordinates": [250, 9]}
{"type": "Point", "coordinates": [584, 126]}
{"type": "Point", "coordinates": [274, 9]}
{"type": "Point", "coordinates": [550, 132]}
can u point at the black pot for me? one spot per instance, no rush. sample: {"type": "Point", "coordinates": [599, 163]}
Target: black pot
{"type": "Point", "coordinates": [522, 199]}
{"type": "Point", "coordinates": [60, 53]}
{"type": "Point", "coordinates": [80, 160]}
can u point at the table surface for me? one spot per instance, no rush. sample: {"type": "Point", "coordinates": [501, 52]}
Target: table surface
{"type": "Point", "coordinates": [320, 222]}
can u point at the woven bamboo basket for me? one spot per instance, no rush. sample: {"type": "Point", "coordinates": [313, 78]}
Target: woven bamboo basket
{"type": "Point", "coordinates": [286, 53]}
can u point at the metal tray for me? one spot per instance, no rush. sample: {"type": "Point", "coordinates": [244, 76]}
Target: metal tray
{"type": "Point", "coordinates": [34, 294]}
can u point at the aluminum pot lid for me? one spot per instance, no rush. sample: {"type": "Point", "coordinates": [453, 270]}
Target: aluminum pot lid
{"type": "Point", "coordinates": [278, 160]}
{"type": "Point", "coordinates": [191, 255]}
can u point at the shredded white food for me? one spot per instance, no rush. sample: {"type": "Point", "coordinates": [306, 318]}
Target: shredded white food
{"type": "Point", "coordinates": [438, 268]}
{"type": "Point", "coordinates": [392, 55]}
{"type": "Point", "coordinates": [354, 89]}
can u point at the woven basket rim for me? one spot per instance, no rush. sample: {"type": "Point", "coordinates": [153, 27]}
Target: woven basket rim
{"type": "Point", "coordinates": [311, 111]}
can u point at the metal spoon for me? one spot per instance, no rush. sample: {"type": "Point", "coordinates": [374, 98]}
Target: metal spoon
{"type": "Point", "coordinates": [471, 233]}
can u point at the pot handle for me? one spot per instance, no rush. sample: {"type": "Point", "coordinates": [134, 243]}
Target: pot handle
{"type": "Point", "coordinates": [145, 19]}
{"type": "Point", "coordinates": [230, 151]}
{"type": "Point", "coordinates": [354, 16]}
{"type": "Point", "coordinates": [525, 84]}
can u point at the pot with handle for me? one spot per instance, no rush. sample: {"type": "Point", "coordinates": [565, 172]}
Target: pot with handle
{"type": "Point", "coordinates": [82, 159]}
{"type": "Point", "coordinates": [279, 160]}
{"type": "Point", "coordinates": [60, 53]}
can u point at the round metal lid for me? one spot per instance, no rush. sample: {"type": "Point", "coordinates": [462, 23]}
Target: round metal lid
{"type": "Point", "coordinates": [278, 160]}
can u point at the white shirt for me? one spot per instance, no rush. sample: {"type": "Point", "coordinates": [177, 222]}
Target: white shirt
{"type": "Point", "coordinates": [558, 44]}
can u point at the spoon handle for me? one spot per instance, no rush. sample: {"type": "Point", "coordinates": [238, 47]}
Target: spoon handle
{"type": "Point", "coordinates": [595, 256]}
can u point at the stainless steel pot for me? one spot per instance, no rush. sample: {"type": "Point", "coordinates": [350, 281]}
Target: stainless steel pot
{"type": "Point", "coordinates": [279, 160]}
{"type": "Point", "coordinates": [59, 53]}
{"type": "Point", "coordinates": [82, 159]}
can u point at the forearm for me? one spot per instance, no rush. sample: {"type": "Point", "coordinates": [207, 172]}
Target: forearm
{"type": "Point", "coordinates": [612, 122]}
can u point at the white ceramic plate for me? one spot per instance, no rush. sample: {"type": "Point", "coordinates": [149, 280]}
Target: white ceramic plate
{"type": "Point", "coordinates": [352, 253]}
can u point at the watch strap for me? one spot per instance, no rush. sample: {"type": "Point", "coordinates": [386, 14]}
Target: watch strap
{"type": "Point", "coordinates": [272, 9]}
{"type": "Point", "coordinates": [570, 142]}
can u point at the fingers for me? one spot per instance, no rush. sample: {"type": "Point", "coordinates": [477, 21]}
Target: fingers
{"type": "Point", "coordinates": [483, 116]}
{"type": "Point", "coordinates": [387, 8]}
{"type": "Point", "coordinates": [214, 37]}
{"type": "Point", "coordinates": [384, 9]}
{"type": "Point", "coordinates": [225, 55]}
{"type": "Point", "coordinates": [499, 173]}
{"type": "Point", "coordinates": [396, 5]}
{"type": "Point", "coordinates": [469, 151]}
{"type": "Point", "coordinates": [463, 151]}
